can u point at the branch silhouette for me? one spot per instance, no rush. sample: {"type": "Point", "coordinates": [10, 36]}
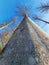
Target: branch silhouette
{"type": "Point", "coordinates": [40, 19]}
{"type": "Point", "coordinates": [23, 10]}
{"type": "Point", "coordinates": [44, 7]}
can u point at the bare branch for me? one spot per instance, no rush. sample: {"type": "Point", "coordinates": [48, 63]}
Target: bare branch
{"type": "Point", "coordinates": [38, 18]}
{"type": "Point", "coordinates": [22, 10]}
{"type": "Point", "coordinates": [44, 7]}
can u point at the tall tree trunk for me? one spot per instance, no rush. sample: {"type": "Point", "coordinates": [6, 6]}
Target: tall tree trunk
{"type": "Point", "coordinates": [29, 45]}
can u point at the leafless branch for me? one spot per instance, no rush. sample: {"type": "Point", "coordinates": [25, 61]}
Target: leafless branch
{"type": "Point", "coordinates": [38, 18]}
{"type": "Point", "coordinates": [44, 7]}
{"type": "Point", "coordinates": [22, 10]}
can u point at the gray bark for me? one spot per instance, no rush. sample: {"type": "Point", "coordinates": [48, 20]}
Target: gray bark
{"type": "Point", "coordinates": [28, 46]}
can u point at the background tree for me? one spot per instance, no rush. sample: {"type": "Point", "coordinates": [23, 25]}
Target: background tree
{"type": "Point", "coordinates": [4, 25]}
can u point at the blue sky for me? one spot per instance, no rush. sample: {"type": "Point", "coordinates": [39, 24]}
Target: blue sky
{"type": "Point", "coordinates": [8, 7]}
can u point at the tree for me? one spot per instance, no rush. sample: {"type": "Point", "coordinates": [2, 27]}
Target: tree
{"type": "Point", "coordinates": [22, 10]}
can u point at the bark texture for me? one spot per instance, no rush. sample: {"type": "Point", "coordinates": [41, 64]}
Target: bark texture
{"type": "Point", "coordinates": [29, 45]}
